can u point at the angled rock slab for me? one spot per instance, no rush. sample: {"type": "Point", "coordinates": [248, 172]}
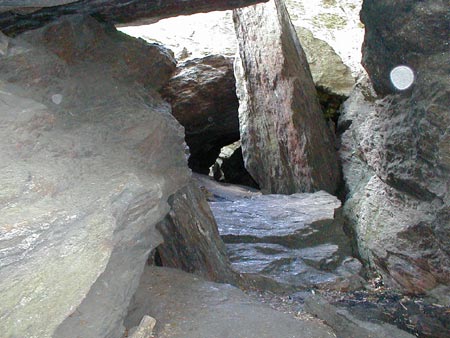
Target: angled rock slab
{"type": "Point", "coordinates": [286, 144]}
{"type": "Point", "coordinates": [186, 306]}
{"type": "Point", "coordinates": [296, 240]}
{"type": "Point", "coordinates": [88, 161]}
{"type": "Point", "coordinates": [191, 239]}
{"type": "Point", "coordinates": [31, 15]}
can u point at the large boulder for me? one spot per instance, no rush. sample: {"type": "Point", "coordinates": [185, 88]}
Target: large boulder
{"type": "Point", "coordinates": [404, 32]}
{"type": "Point", "coordinates": [90, 155]}
{"type": "Point", "coordinates": [203, 98]}
{"type": "Point", "coordinates": [286, 144]}
{"type": "Point", "coordinates": [23, 15]}
{"type": "Point", "coordinates": [396, 153]}
{"type": "Point", "coordinates": [327, 69]}
{"type": "Point", "coordinates": [191, 239]}
{"type": "Point", "coordinates": [335, 23]}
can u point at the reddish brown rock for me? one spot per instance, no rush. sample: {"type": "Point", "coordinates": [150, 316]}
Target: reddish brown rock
{"type": "Point", "coordinates": [396, 152]}
{"type": "Point", "coordinates": [286, 143]}
{"type": "Point", "coordinates": [203, 98]}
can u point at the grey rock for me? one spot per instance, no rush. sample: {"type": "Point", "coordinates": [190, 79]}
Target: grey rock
{"type": "Point", "coordinates": [203, 98]}
{"type": "Point", "coordinates": [145, 328]}
{"type": "Point", "coordinates": [275, 215]}
{"type": "Point", "coordinates": [403, 33]}
{"type": "Point", "coordinates": [191, 239]}
{"type": "Point", "coordinates": [327, 68]}
{"type": "Point", "coordinates": [286, 144]}
{"type": "Point", "coordinates": [114, 11]}
{"type": "Point", "coordinates": [346, 325]}
{"type": "Point", "coordinates": [189, 307]}
{"type": "Point", "coordinates": [295, 240]}
{"type": "Point", "coordinates": [84, 182]}
{"type": "Point", "coordinates": [395, 152]}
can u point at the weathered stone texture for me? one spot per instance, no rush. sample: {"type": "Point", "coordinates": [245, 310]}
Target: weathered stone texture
{"type": "Point", "coordinates": [396, 153]}
{"type": "Point", "coordinates": [406, 32]}
{"type": "Point", "coordinates": [396, 165]}
{"type": "Point", "coordinates": [191, 238]}
{"type": "Point", "coordinates": [25, 15]}
{"type": "Point", "coordinates": [286, 144]}
{"type": "Point", "coordinates": [203, 98]}
{"type": "Point", "coordinates": [88, 161]}
{"type": "Point", "coordinates": [186, 306]}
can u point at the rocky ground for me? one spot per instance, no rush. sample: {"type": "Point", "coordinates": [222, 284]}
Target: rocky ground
{"type": "Point", "coordinates": [300, 282]}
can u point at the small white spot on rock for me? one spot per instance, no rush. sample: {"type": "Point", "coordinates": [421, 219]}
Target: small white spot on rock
{"type": "Point", "coordinates": [402, 77]}
{"type": "Point", "coordinates": [57, 98]}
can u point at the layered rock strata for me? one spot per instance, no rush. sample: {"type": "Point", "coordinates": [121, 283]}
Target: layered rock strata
{"type": "Point", "coordinates": [89, 156]}
{"type": "Point", "coordinates": [297, 240]}
{"type": "Point", "coordinates": [191, 239]}
{"type": "Point", "coordinates": [286, 144]}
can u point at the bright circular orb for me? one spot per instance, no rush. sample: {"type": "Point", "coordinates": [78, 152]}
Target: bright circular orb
{"type": "Point", "coordinates": [57, 98]}
{"type": "Point", "coordinates": [402, 77]}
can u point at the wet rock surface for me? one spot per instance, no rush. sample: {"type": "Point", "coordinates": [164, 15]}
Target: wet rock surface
{"type": "Point", "coordinates": [187, 306]}
{"type": "Point", "coordinates": [203, 97]}
{"type": "Point", "coordinates": [286, 144]}
{"type": "Point", "coordinates": [89, 158]}
{"type": "Point", "coordinates": [294, 240]}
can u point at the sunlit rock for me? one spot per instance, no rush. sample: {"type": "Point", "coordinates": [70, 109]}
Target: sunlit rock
{"type": "Point", "coordinates": [286, 144]}
{"type": "Point", "coordinates": [85, 176]}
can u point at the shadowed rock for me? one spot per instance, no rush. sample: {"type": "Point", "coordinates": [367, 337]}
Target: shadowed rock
{"type": "Point", "coordinates": [25, 15]}
{"type": "Point", "coordinates": [191, 239]}
{"type": "Point", "coordinates": [396, 151]}
{"type": "Point", "coordinates": [203, 97]}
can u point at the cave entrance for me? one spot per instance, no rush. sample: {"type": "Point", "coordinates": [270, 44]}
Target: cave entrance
{"type": "Point", "coordinates": [278, 241]}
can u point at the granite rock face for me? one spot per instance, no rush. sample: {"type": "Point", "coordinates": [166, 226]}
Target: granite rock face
{"type": "Point", "coordinates": [191, 239]}
{"type": "Point", "coordinates": [404, 32]}
{"type": "Point", "coordinates": [286, 144]}
{"type": "Point", "coordinates": [396, 151]}
{"type": "Point", "coordinates": [203, 98]}
{"type": "Point", "coordinates": [19, 16]}
{"type": "Point", "coordinates": [89, 156]}
{"type": "Point", "coordinates": [396, 164]}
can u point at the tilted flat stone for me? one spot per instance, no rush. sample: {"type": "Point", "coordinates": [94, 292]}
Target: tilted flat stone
{"type": "Point", "coordinates": [297, 240]}
{"type": "Point", "coordinates": [24, 15]}
{"type": "Point", "coordinates": [286, 144]}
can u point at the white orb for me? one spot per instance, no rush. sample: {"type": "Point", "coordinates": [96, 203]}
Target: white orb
{"type": "Point", "coordinates": [57, 98]}
{"type": "Point", "coordinates": [402, 77]}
